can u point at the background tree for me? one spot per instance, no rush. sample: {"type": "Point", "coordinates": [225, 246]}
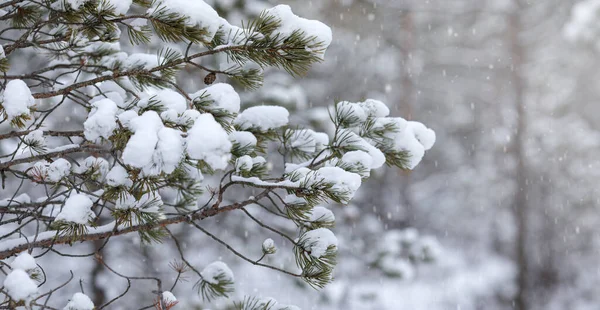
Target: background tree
{"type": "Point", "coordinates": [462, 74]}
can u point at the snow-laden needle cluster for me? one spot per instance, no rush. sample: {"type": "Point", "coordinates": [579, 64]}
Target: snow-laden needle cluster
{"type": "Point", "coordinates": [105, 141]}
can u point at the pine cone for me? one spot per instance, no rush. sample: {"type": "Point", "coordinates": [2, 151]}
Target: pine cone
{"type": "Point", "coordinates": [210, 78]}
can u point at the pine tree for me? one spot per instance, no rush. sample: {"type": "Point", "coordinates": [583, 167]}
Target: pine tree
{"type": "Point", "coordinates": [100, 140]}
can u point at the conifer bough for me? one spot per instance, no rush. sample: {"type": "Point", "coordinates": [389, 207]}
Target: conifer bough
{"type": "Point", "coordinates": [99, 140]}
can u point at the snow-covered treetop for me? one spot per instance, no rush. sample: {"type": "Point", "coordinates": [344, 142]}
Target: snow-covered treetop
{"type": "Point", "coordinates": [140, 150]}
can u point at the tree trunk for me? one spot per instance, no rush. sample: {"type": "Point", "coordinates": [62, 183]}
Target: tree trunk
{"type": "Point", "coordinates": [406, 101]}
{"type": "Point", "coordinates": [520, 206]}
{"type": "Point", "coordinates": [97, 291]}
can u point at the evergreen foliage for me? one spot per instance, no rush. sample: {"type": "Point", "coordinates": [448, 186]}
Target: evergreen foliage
{"type": "Point", "coordinates": [143, 159]}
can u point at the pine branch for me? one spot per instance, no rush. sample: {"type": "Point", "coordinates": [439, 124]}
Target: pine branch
{"type": "Point", "coordinates": [49, 239]}
{"type": "Point", "coordinates": [51, 133]}
{"type": "Point", "coordinates": [81, 149]}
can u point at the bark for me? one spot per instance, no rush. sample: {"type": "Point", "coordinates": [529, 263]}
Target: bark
{"type": "Point", "coordinates": [97, 290]}
{"type": "Point", "coordinates": [15, 246]}
{"type": "Point", "coordinates": [520, 205]}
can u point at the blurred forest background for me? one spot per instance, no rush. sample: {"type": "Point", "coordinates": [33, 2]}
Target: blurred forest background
{"type": "Point", "coordinates": [509, 190]}
{"type": "Point", "coordinates": [505, 206]}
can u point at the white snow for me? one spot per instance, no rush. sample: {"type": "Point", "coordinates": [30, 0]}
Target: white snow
{"type": "Point", "coordinates": [258, 160]}
{"type": "Point", "coordinates": [425, 135]}
{"type": "Point", "coordinates": [193, 172]}
{"type": "Point", "coordinates": [243, 163]}
{"type": "Point", "coordinates": [298, 171]}
{"type": "Point", "coordinates": [375, 108]}
{"type": "Point", "coordinates": [146, 61]}
{"type": "Point", "coordinates": [101, 121]}
{"type": "Point", "coordinates": [369, 108]}
{"type": "Point", "coordinates": [168, 297]}
{"type": "Point", "coordinates": [79, 301]}
{"type": "Point", "coordinates": [321, 140]}
{"type": "Point", "coordinates": [23, 198]}
{"type": "Point", "coordinates": [347, 110]}
{"type": "Point", "coordinates": [75, 4]}
{"type": "Point", "coordinates": [24, 261]}
{"type": "Point", "coordinates": [583, 24]}
{"type": "Point", "coordinates": [138, 23]}
{"type": "Point", "coordinates": [188, 117]}
{"type": "Point", "coordinates": [58, 169]}
{"type": "Point", "coordinates": [243, 138]}
{"type": "Point", "coordinates": [354, 140]}
{"type": "Point", "coordinates": [296, 168]}
{"type": "Point", "coordinates": [64, 147]}
{"type": "Point", "coordinates": [266, 303]}
{"type": "Point", "coordinates": [168, 153]}
{"type": "Point", "coordinates": [341, 180]}
{"type": "Point", "coordinates": [398, 123]}
{"type": "Point", "coordinates": [39, 170]}
{"type": "Point", "coordinates": [359, 160]}
{"type": "Point", "coordinates": [223, 95]}
{"type": "Point", "coordinates": [77, 209]}
{"type": "Point", "coordinates": [321, 214]}
{"type": "Point", "coordinates": [260, 183]}
{"type": "Point", "coordinates": [164, 146]}
{"type": "Point", "coordinates": [208, 141]}
{"type": "Point", "coordinates": [198, 13]}
{"type": "Point", "coordinates": [140, 147]}
{"type": "Point", "coordinates": [217, 272]}
{"type": "Point", "coordinates": [168, 100]}
{"type": "Point", "coordinates": [149, 202]}
{"type": "Point", "coordinates": [292, 199]}
{"type": "Point", "coordinates": [19, 285]}
{"type": "Point", "coordinates": [118, 176]}
{"type": "Point", "coordinates": [311, 28]}
{"type": "Point", "coordinates": [17, 99]}
{"type": "Point", "coordinates": [110, 89]}
{"type": "Point", "coordinates": [307, 140]}
{"type": "Point", "coordinates": [263, 118]}
{"type": "Point", "coordinates": [126, 117]}
{"type": "Point", "coordinates": [268, 246]}
{"type": "Point", "coordinates": [234, 35]}
{"type": "Point", "coordinates": [318, 241]}
{"type": "Point", "coordinates": [271, 304]}
{"type": "Point", "coordinates": [121, 6]}
{"type": "Point", "coordinates": [36, 138]}
{"type": "Point", "coordinates": [169, 115]}
{"type": "Point", "coordinates": [97, 164]}
{"type": "Point", "coordinates": [415, 139]}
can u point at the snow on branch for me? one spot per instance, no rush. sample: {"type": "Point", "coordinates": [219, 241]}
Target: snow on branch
{"type": "Point", "coordinates": [107, 138]}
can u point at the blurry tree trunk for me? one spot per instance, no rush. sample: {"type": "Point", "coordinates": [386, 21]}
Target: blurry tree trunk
{"type": "Point", "coordinates": [97, 290]}
{"type": "Point", "coordinates": [520, 206]}
{"type": "Point", "coordinates": [548, 274]}
{"type": "Point", "coordinates": [398, 202]}
{"type": "Point", "coordinates": [406, 98]}
{"type": "Point", "coordinates": [406, 47]}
